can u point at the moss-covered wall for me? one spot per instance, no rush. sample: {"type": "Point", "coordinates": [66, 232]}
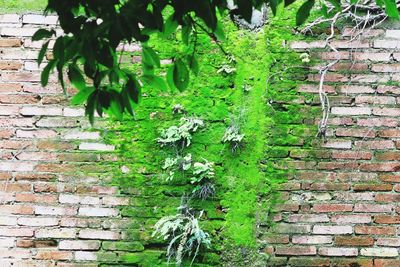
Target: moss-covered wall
{"type": "Point", "coordinates": [246, 183]}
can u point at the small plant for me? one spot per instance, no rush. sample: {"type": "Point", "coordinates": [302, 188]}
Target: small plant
{"type": "Point", "coordinates": [180, 136]}
{"type": "Point", "coordinates": [233, 137]}
{"type": "Point", "coordinates": [184, 234]}
{"type": "Point", "coordinates": [203, 175]}
{"type": "Point", "coordinates": [305, 58]}
{"type": "Point", "coordinates": [177, 164]}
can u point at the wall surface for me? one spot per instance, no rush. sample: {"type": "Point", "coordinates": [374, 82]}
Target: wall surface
{"type": "Point", "coordinates": [58, 209]}
{"type": "Point", "coordinates": [341, 207]}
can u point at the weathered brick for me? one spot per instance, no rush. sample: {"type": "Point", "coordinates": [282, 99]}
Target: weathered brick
{"type": "Point", "coordinates": [54, 255]}
{"type": "Point", "coordinates": [379, 252]}
{"type": "Point", "coordinates": [308, 218]}
{"type": "Point", "coordinates": [296, 250]}
{"type": "Point", "coordinates": [38, 221]}
{"type": "Point", "coordinates": [386, 263]}
{"type": "Point", "coordinates": [332, 229]}
{"type": "Point", "coordinates": [56, 233]}
{"type": "Point", "coordinates": [350, 111]}
{"type": "Point", "coordinates": [99, 234]}
{"type": "Point", "coordinates": [314, 239]}
{"type": "Point", "coordinates": [374, 230]}
{"type": "Point", "coordinates": [350, 219]}
{"type": "Point", "coordinates": [339, 252]}
{"type": "Point", "coordinates": [354, 241]}
{"type": "Point", "coordinates": [388, 242]}
{"type": "Point", "coordinates": [332, 207]}
{"type": "Point", "coordinates": [79, 245]}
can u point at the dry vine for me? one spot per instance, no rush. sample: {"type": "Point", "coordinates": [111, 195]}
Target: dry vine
{"type": "Point", "coordinates": [364, 15]}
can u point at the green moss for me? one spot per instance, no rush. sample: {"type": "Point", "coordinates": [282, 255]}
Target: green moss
{"type": "Point", "coordinates": [247, 182]}
{"type": "Point", "coordinates": [22, 6]}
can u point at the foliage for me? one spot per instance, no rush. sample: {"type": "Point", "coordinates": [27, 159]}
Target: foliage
{"type": "Point", "coordinates": [94, 31]}
{"type": "Point", "coordinates": [184, 232]}
{"type": "Point", "coordinates": [203, 175]}
{"type": "Point", "coordinates": [180, 136]}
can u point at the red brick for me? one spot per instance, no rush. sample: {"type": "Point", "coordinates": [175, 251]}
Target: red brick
{"type": "Point", "coordinates": [54, 255]}
{"type": "Point", "coordinates": [386, 219]}
{"type": "Point", "coordinates": [296, 250]}
{"type": "Point", "coordinates": [380, 167]}
{"type": "Point", "coordinates": [354, 241]}
{"type": "Point", "coordinates": [387, 198]}
{"type": "Point", "coordinates": [351, 155]}
{"type": "Point", "coordinates": [386, 263]}
{"type": "Point", "coordinates": [372, 208]}
{"type": "Point", "coordinates": [332, 207]}
{"type": "Point", "coordinates": [375, 230]}
{"type": "Point", "coordinates": [355, 132]}
{"type": "Point", "coordinates": [372, 187]}
{"type": "Point", "coordinates": [35, 198]}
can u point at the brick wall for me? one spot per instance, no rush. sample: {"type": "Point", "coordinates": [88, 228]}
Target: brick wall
{"type": "Point", "coordinates": [55, 206]}
{"type": "Point", "coordinates": [340, 210]}
{"type": "Point", "coordinates": [341, 207]}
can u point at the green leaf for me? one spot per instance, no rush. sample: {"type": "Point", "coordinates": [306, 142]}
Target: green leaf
{"type": "Point", "coordinates": [245, 9]}
{"type": "Point", "coordinates": [42, 52]}
{"type": "Point", "coordinates": [83, 94]}
{"type": "Point", "coordinates": [170, 77]}
{"type": "Point", "coordinates": [304, 12]}
{"type": "Point", "coordinates": [180, 75]}
{"type": "Point", "coordinates": [380, 3]}
{"type": "Point", "coordinates": [149, 56]}
{"type": "Point", "coordinates": [133, 89]}
{"type": "Point", "coordinates": [42, 34]}
{"type": "Point", "coordinates": [193, 64]}
{"type": "Point", "coordinates": [155, 82]}
{"type": "Point", "coordinates": [115, 106]}
{"type": "Point", "coordinates": [186, 30]}
{"type": "Point", "coordinates": [274, 5]}
{"type": "Point", "coordinates": [170, 26]}
{"type": "Point", "coordinates": [76, 77]}
{"type": "Point", "coordinates": [391, 8]}
{"type": "Point", "coordinates": [289, 2]}
{"type": "Point", "coordinates": [44, 78]}
{"type": "Point", "coordinates": [90, 106]}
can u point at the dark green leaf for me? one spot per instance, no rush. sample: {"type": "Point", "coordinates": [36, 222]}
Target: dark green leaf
{"type": "Point", "coordinates": [193, 64]}
{"type": "Point", "coordinates": [42, 34]}
{"type": "Point", "coordinates": [90, 106]}
{"type": "Point", "coordinates": [245, 9]}
{"type": "Point", "coordinates": [180, 75]}
{"type": "Point", "coordinates": [42, 52]}
{"type": "Point", "coordinates": [170, 77]}
{"type": "Point", "coordinates": [186, 30]}
{"type": "Point", "coordinates": [44, 79]}
{"type": "Point", "coordinates": [289, 2]}
{"type": "Point", "coordinates": [82, 95]}
{"type": "Point", "coordinates": [75, 76]}
{"type": "Point", "coordinates": [304, 12]}
{"type": "Point", "coordinates": [133, 89]}
{"type": "Point", "coordinates": [149, 56]}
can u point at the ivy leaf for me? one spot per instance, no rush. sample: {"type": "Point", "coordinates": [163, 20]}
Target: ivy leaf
{"type": "Point", "coordinates": [391, 8]}
{"type": "Point", "coordinates": [180, 75]}
{"type": "Point", "coordinates": [304, 12]}
{"type": "Point", "coordinates": [42, 34]}
{"type": "Point", "coordinates": [76, 77]}
{"type": "Point", "coordinates": [42, 52]}
{"type": "Point", "coordinates": [83, 94]}
{"type": "Point", "coordinates": [170, 77]}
